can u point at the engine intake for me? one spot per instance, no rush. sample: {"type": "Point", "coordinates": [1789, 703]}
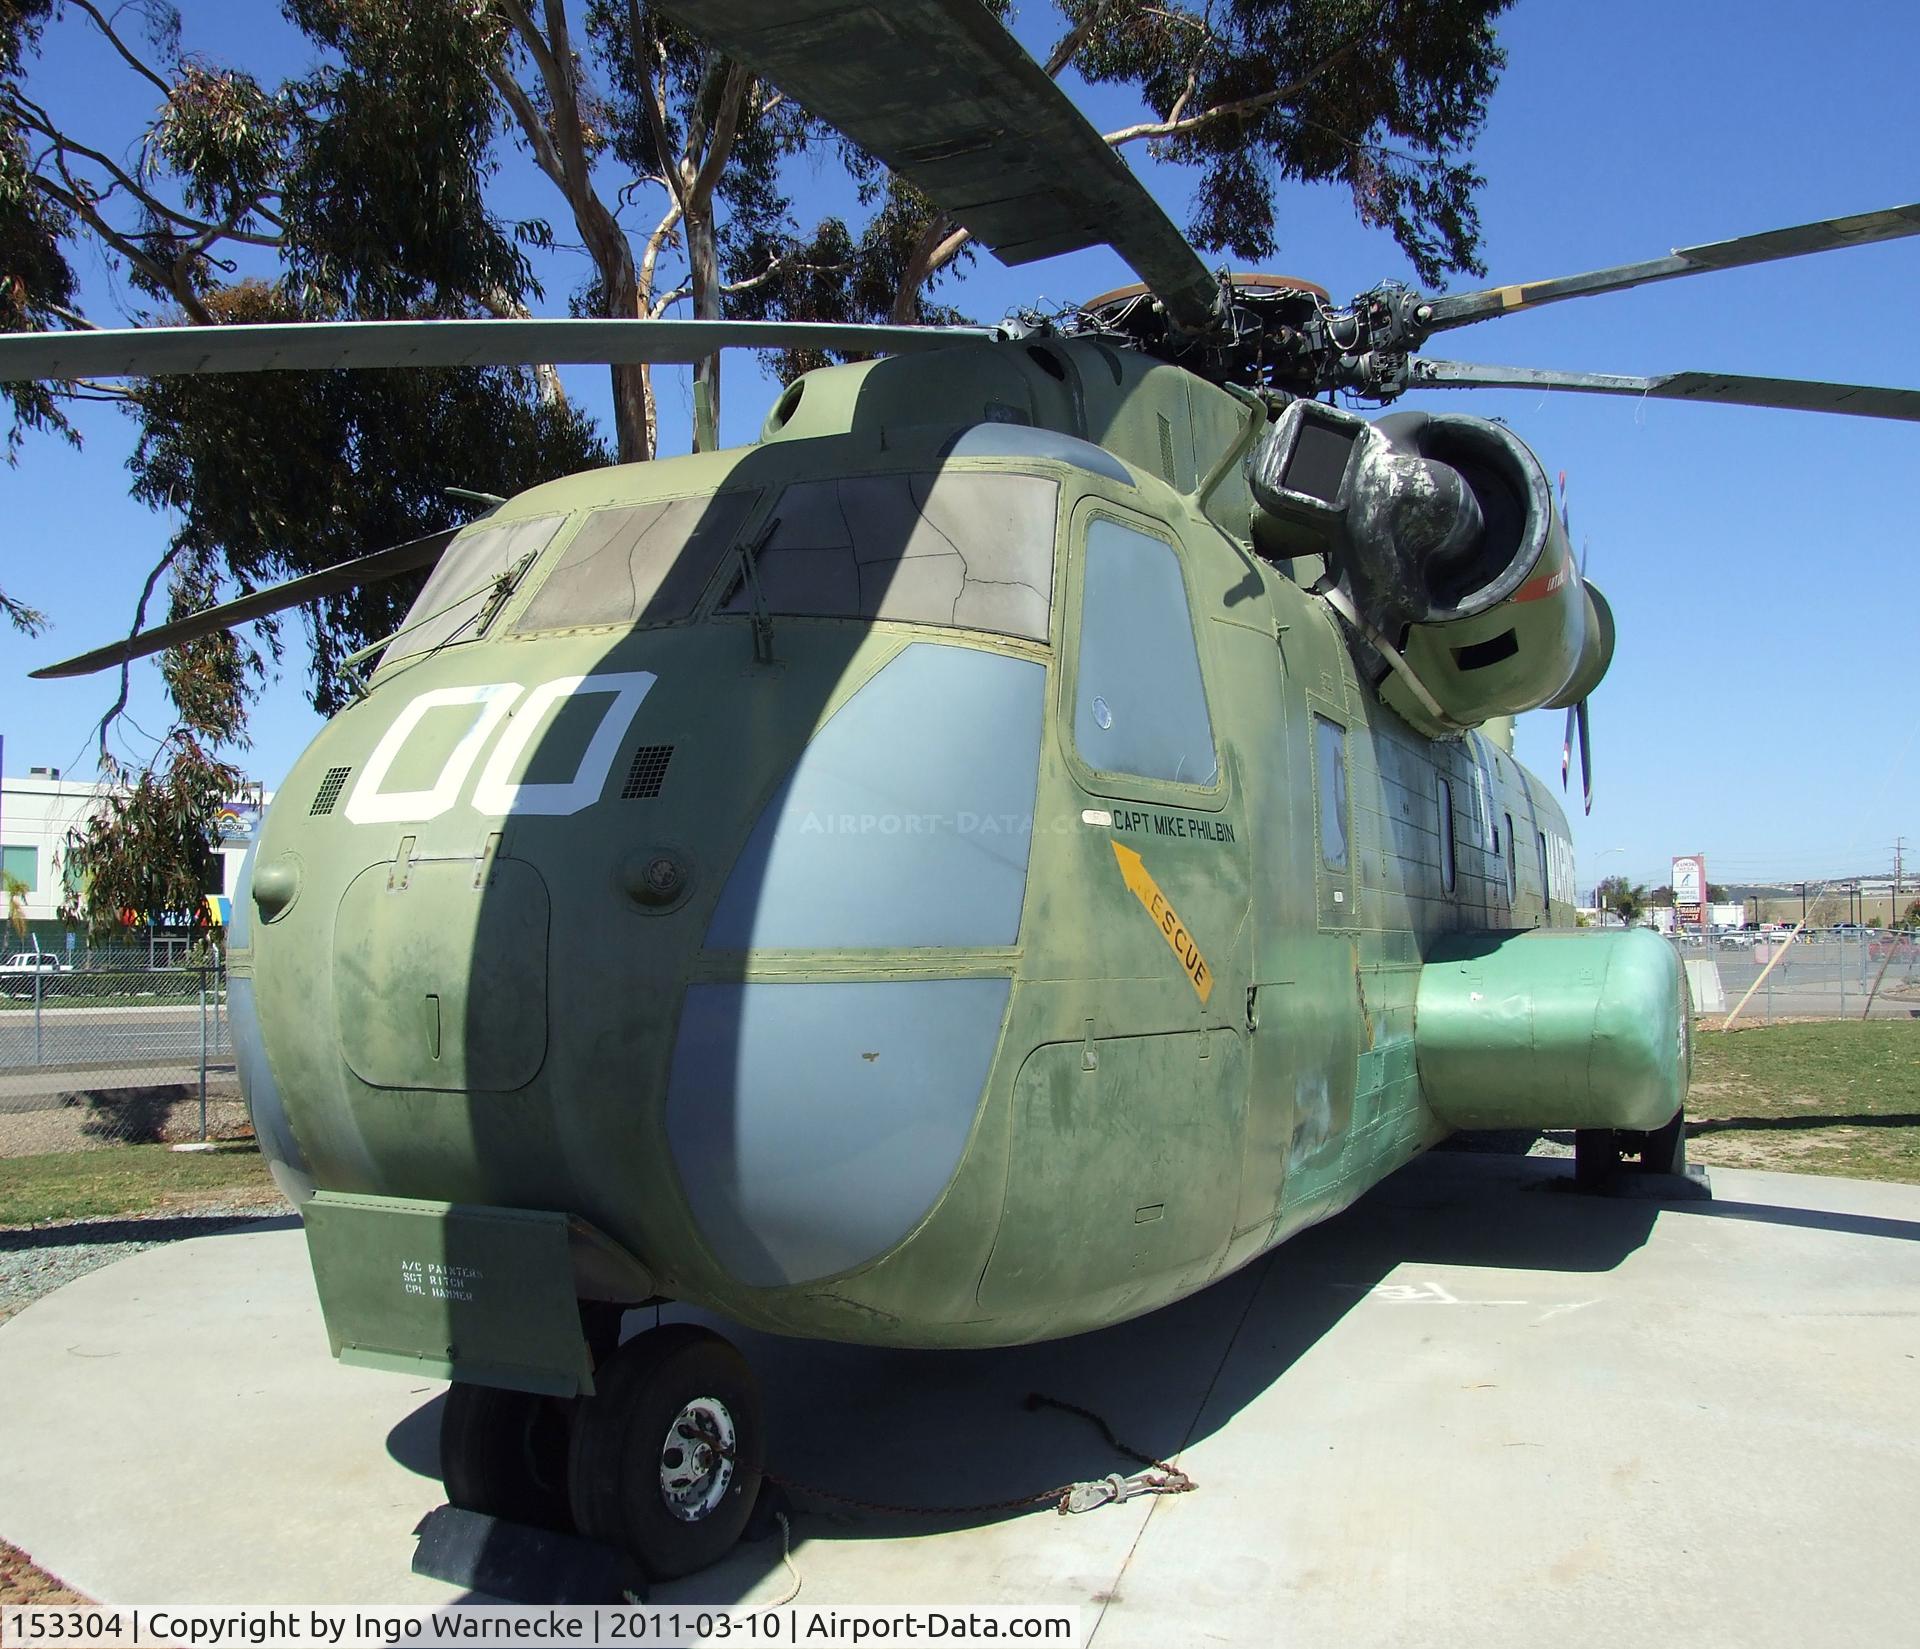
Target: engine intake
{"type": "Point", "coordinates": [1440, 534]}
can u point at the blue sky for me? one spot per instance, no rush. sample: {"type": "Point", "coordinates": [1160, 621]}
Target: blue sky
{"type": "Point", "coordinates": [1761, 704]}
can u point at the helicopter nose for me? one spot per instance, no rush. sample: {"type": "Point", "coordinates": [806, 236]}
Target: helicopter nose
{"type": "Point", "coordinates": [816, 1115]}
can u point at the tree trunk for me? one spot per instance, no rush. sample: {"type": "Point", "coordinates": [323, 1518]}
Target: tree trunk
{"type": "Point", "coordinates": [703, 266]}
{"type": "Point", "coordinates": [633, 413]}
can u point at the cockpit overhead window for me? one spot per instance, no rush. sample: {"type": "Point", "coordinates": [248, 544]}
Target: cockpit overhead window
{"type": "Point", "coordinates": [460, 586]}
{"type": "Point", "coordinates": [639, 563]}
{"type": "Point", "coordinates": [973, 550]}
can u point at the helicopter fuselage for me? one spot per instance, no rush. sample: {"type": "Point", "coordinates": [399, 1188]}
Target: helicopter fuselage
{"type": "Point", "coordinates": [921, 883]}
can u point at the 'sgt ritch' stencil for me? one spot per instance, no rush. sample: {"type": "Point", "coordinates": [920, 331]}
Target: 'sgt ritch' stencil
{"type": "Point", "coordinates": [433, 1281]}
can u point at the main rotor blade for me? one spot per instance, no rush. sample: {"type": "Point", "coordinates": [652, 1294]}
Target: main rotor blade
{"type": "Point", "coordinates": [153, 351]}
{"type": "Point", "coordinates": [1586, 756]}
{"type": "Point", "coordinates": [343, 575]}
{"type": "Point", "coordinates": [1825, 236]}
{"type": "Point", "coordinates": [1789, 394]}
{"type": "Point", "coordinates": [945, 96]}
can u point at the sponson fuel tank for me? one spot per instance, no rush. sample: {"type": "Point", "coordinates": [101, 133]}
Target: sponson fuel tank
{"type": "Point", "coordinates": [1553, 1028]}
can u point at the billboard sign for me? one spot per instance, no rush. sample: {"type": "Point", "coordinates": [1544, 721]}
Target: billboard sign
{"type": "Point", "coordinates": [238, 824]}
{"type": "Point", "coordinates": [1690, 889]}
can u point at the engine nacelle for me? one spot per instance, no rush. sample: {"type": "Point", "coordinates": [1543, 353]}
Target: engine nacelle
{"type": "Point", "coordinates": [1441, 544]}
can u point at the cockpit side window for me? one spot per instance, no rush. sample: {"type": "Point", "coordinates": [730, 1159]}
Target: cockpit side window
{"type": "Point", "coordinates": [968, 549]}
{"type": "Point", "coordinates": [639, 563]}
{"type": "Point", "coordinates": [465, 579]}
{"type": "Point", "coordinates": [1139, 704]}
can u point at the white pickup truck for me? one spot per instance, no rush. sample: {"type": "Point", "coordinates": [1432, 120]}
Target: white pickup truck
{"type": "Point", "coordinates": [20, 971]}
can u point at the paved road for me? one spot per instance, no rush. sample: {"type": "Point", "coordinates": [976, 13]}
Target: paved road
{"type": "Point", "coordinates": [74, 1038]}
{"type": "Point", "coordinates": [97, 1049]}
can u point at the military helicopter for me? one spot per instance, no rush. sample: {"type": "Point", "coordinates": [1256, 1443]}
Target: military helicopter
{"type": "Point", "coordinates": [1031, 833]}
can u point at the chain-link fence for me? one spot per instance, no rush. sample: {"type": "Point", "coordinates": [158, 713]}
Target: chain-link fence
{"type": "Point", "coordinates": [114, 1048]}
{"type": "Point", "coordinates": [1852, 974]}
{"type": "Point", "coordinates": [132, 1047]}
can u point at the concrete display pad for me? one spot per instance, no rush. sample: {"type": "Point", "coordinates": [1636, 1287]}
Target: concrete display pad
{"type": "Point", "coordinates": [1470, 1410]}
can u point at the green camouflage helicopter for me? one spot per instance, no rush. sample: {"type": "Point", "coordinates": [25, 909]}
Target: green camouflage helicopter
{"type": "Point", "coordinates": [1031, 833]}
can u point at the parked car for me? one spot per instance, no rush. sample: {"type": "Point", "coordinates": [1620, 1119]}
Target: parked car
{"type": "Point", "coordinates": [29, 972]}
{"type": "Point", "coordinates": [1894, 947]}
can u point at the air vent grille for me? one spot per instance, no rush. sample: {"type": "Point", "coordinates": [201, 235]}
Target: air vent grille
{"type": "Point", "coordinates": [329, 792]}
{"type": "Point", "coordinates": [648, 773]}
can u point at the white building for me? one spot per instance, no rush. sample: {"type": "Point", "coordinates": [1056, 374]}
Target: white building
{"type": "Point", "coordinates": [36, 812]}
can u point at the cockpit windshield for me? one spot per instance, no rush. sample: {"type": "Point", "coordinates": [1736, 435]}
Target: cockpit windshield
{"type": "Point", "coordinates": [639, 563]}
{"type": "Point", "coordinates": [970, 549]}
{"type": "Point", "coordinates": [460, 586]}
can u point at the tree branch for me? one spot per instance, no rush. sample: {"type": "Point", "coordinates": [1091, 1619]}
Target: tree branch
{"type": "Point", "coordinates": [653, 103]}
{"type": "Point", "coordinates": [726, 128]}
{"type": "Point", "coordinates": [126, 667]}
{"type": "Point", "coordinates": [79, 200]}
{"type": "Point", "coordinates": [779, 265]}
{"type": "Point", "coordinates": [538, 139]}
{"type": "Point", "coordinates": [1173, 127]}
{"type": "Point", "coordinates": [35, 117]}
{"type": "Point", "coordinates": [1075, 37]}
{"type": "Point", "coordinates": [120, 46]}
{"type": "Point", "coordinates": [656, 243]}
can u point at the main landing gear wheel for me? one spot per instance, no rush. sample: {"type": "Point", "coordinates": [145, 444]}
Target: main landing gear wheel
{"type": "Point", "coordinates": [504, 1453]}
{"type": "Point", "coordinates": [665, 1459]}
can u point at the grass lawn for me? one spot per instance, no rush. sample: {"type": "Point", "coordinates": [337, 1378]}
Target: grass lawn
{"type": "Point", "coordinates": [1833, 1097]}
{"type": "Point", "coordinates": [131, 1179]}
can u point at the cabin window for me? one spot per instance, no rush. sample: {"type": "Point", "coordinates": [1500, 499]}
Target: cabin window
{"type": "Point", "coordinates": [1139, 705]}
{"type": "Point", "coordinates": [459, 589]}
{"type": "Point", "coordinates": [639, 563]}
{"type": "Point", "coordinates": [1483, 793]}
{"type": "Point", "coordinates": [971, 550]}
{"type": "Point", "coordinates": [1330, 756]}
{"type": "Point", "coordinates": [1446, 836]}
{"type": "Point", "coordinates": [1513, 869]}
{"type": "Point", "coordinates": [1544, 884]}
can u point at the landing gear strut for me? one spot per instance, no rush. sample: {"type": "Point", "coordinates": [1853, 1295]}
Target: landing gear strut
{"type": "Point", "coordinates": [662, 1463]}
{"type": "Point", "coordinates": [1637, 1162]}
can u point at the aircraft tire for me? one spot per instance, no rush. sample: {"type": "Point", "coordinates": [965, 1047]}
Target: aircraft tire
{"type": "Point", "coordinates": [633, 1479]}
{"type": "Point", "coordinates": [504, 1453]}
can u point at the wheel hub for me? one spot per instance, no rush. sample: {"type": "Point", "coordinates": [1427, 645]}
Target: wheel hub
{"type": "Point", "coordinates": [696, 1459]}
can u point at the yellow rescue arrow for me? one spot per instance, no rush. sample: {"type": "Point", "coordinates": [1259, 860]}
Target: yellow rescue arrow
{"type": "Point", "coordinates": [1133, 872]}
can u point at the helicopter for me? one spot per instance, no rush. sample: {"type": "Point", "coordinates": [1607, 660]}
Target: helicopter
{"type": "Point", "coordinates": [1034, 831]}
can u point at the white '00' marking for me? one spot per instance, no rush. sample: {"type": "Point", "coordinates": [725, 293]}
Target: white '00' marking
{"type": "Point", "coordinates": [496, 793]}
{"type": "Point", "coordinates": [369, 805]}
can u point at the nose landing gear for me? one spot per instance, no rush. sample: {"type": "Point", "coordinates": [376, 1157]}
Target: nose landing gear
{"type": "Point", "coordinates": [666, 1455]}
{"type": "Point", "coordinates": [663, 1462]}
